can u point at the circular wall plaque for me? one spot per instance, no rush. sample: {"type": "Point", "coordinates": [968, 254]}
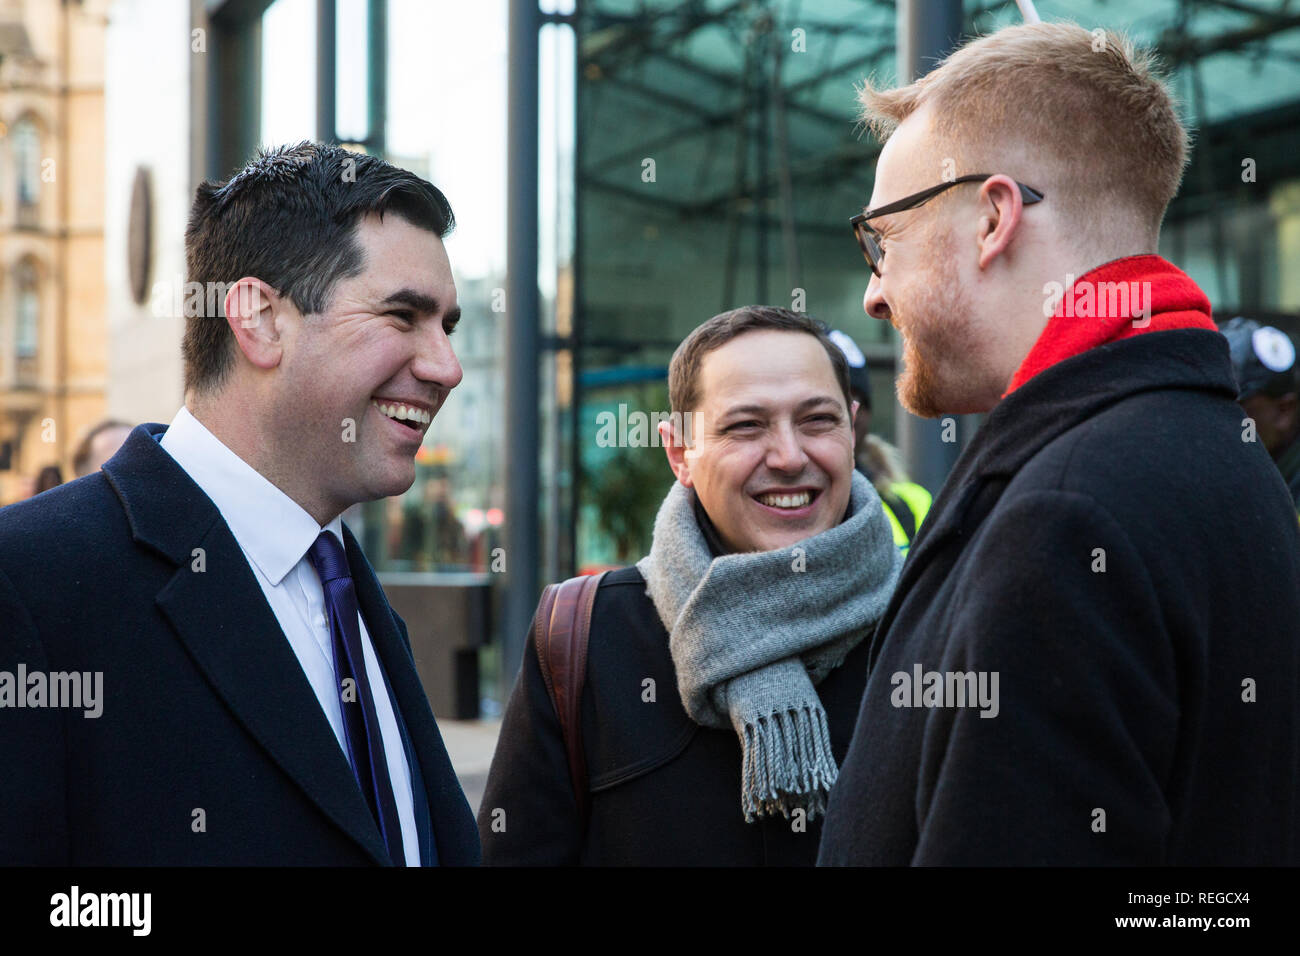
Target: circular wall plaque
{"type": "Point", "coordinates": [139, 240]}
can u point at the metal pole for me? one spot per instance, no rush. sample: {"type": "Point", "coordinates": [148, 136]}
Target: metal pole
{"type": "Point", "coordinates": [731, 265]}
{"type": "Point", "coordinates": [762, 43]}
{"type": "Point", "coordinates": [326, 77]}
{"type": "Point", "coordinates": [377, 75]}
{"type": "Point", "coordinates": [789, 236]}
{"type": "Point", "coordinates": [927, 31]}
{"type": "Point", "coordinates": [567, 531]}
{"type": "Point", "coordinates": [522, 345]}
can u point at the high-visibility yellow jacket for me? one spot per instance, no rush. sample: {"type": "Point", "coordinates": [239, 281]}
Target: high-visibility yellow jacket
{"type": "Point", "coordinates": [906, 505]}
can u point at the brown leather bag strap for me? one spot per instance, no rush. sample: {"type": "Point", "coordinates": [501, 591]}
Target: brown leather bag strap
{"type": "Point", "coordinates": [561, 628]}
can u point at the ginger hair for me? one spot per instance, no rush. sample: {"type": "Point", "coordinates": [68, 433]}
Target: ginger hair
{"type": "Point", "coordinates": [1084, 116]}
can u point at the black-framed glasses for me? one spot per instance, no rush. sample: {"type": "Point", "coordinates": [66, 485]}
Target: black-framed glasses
{"type": "Point", "coordinates": [869, 239]}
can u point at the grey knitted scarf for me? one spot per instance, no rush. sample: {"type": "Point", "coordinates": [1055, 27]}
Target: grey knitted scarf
{"type": "Point", "coordinates": [751, 634]}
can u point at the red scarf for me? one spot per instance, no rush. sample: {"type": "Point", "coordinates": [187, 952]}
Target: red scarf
{"type": "Point", "coordinates": [1083, 320]}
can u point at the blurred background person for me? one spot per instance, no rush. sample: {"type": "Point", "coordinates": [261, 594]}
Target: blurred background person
{"type": "Point", "coordinates": [51, 476]}
{"type": "Point", "coordinates": [906, 503]}
{"type": "Point", "coordinates": [432, 535]}
{"type": "Point", "coordinates": [98, 446]}
{"type": "Point", "coordinates": [1263, 359]}
{"type": "Point", "coordinates": [736, 651]}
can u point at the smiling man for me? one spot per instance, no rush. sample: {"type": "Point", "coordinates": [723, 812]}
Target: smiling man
{"type": "Point", "coordinates": [261, 701]}
{"type": "Point", "coordinates": [765, 476]}
{"type": "Point", "coordinates": [1098, 551]}
{"type": "Point", "coordinates": [725, 668]}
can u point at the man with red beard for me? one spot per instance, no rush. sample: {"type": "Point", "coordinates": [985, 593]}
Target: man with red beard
{"type": "Point", "coordinates": [1079, 665]}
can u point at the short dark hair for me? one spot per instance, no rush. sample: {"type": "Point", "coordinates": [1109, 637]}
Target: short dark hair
{"type": "Point", "coordinates": [684, 369]}
{"type": "Point", "coordinates": [290, 219]}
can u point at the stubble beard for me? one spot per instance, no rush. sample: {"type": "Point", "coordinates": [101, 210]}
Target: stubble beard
{"type": "Point", "coordinates": [938, 350]}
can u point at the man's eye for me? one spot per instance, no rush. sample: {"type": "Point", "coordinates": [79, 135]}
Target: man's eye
{"type": "Point", "coordinates": [406, 315]}
{"type": "Point", "coordinates": [450, 327]}
{"type": "Point", "coordinates": [737, 425]}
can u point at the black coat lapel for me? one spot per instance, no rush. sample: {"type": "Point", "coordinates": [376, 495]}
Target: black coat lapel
{"type": "Point", "coordinates": [221, 616]}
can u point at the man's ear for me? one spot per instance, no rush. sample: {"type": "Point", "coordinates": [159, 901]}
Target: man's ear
{"type": "Point", "coordinates": [675, 448]}
{"type": "Point", "coordinates": [252, 308]}
{"type": "Point", "coordinates": [1001, 206]}
{"type": "Point", "coordinates": [853, 414]}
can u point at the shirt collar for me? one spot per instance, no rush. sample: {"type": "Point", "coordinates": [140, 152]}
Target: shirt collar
{"type": "Point", "coordinates": [271, 528]}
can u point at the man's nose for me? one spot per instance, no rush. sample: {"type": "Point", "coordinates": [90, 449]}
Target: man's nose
{"type": "Point", "coordinates": [435, 360]}
{"type": "Point", "coordinates": [784, 451]}
{"type": "Point", "coordinates": [873, 303]}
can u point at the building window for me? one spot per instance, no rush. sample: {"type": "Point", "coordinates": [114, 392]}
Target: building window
{"type": "Point", "coordinates": [288, 110]}
{"type": "Point", "coordinates": [27, 166]}
{"type": "Point", "coordinates": [27, 337]}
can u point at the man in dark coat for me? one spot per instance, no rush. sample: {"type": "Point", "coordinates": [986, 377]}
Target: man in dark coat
{"type": "Point", "coordinates": [724, 670]}
{"type": "Point", "coordinates": [1092, 656]}
{"type": "Point", "coordinates": [197, 663]}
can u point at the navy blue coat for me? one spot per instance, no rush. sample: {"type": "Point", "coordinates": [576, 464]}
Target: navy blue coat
{"type": "Point", "coordinates": [1148, 707]}
{"type": "Point", "coordinates": [205, 706]}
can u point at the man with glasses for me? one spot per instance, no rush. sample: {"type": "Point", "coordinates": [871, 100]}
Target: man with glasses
{"type": "Point", "coordinates": [1079, 665]}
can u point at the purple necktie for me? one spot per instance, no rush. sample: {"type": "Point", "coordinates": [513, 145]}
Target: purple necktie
{"type": "Point", "coordinates": [360, 723]}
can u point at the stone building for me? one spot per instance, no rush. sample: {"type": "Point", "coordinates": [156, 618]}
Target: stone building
{"type": "Point", "coordinates": [53, 329]}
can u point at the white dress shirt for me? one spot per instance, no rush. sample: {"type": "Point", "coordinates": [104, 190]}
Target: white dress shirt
{"type": "Point", "coordinates": [275, 533]}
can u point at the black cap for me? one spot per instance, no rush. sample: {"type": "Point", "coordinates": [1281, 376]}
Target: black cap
{"type": "Point", "coordinates": [1263, 358]}
{"type": "Point", "coordinates": [859, 380]}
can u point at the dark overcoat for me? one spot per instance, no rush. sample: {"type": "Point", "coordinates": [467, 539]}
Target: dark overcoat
{"type": "Point", "coordinates": [665, 791]}
{"type": "Point", "coordinates": [1129, 567]}
{"type": "Point", "coordinates": [211, 747]}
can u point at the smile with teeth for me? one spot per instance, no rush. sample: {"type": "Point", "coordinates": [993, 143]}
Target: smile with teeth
{"type": "Point", "coordinates": [408, 415]}
{"type": "Point", "coordinates": [786, 501]}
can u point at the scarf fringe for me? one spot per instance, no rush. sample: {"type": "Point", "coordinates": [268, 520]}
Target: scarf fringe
{"type": "Point", "coordinates": [788, 764]}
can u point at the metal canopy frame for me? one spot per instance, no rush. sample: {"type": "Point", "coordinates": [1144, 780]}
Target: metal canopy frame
{"type": "Point", "coordinates": [638, 54]}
